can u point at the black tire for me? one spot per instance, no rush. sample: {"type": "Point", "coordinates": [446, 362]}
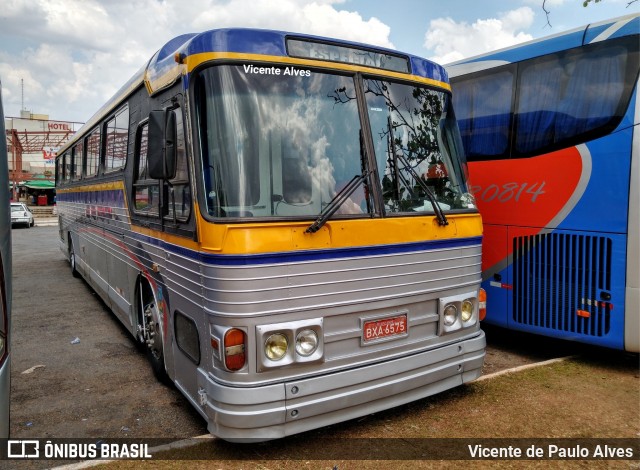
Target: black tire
{"type": "Point", "coordinates": [150, 332]}
{"type": "Point", "coordinates": [72, 260]}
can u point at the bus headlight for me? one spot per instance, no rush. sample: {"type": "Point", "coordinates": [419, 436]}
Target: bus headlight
{"type": "Point", "coordinates": [306, 342]}
{"type": "Point", "coordinates": [289, 343]}
{"type": "Point", "coordinates": [467, 310]}
{"type": "Point", "coordinates": [450, 314]}
{"type": "Point", "coordinates": [275, 347]}
{"type": "Point", "coordinates": [458, 312]}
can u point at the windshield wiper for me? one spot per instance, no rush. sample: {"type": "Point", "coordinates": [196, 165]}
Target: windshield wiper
{"type": "Point", "coordinates": [442, 219]}
{"type": "Point", "coordinates": [342, 195]}
{"type": "Point", "coordinates": [335, 203]}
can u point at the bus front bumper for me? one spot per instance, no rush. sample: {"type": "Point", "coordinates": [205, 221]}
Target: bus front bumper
{"type": "Point", "coordinates": [275, 411]}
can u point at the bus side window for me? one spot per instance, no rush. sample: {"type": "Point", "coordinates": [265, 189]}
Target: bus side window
{"type": "Point", "coordinates": [68, 166]}
{"type": "Point", "coordinates": [146, 192]}
{"type": "Point", "coordinates": [117, 138]}
{"type": "Point", "coordinates": [540, 92]}
{"type": "Point", "coordinates": [62, 169]}
{"type": "Point", "coordinates": [77, 160]}
{"type": "Point", "coordinates": [93, 153]}
{"type": "Point", "coordinates": [58, 170]}
{"type": "Point", "coordinates": [567, 96]}
{"type": "Point", "coordinates": [600, 77]}
{"type": "Point", "coordinates": [483, 109]}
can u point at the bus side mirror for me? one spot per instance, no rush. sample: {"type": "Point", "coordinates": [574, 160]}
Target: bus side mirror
{"type": "Point", "coordinates": [161, 156]}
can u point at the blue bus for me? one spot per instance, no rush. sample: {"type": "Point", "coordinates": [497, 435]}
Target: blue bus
{"type": "Point", "coordinates": [5, 281]}
{"type": "Point", "coordinates": [550, 130]}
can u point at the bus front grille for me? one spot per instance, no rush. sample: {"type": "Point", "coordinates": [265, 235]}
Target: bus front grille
{"type": "Point", "coordinates": [562, 282]}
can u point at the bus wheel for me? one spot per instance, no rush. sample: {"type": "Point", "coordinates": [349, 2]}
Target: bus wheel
{"type": "Point", "coordinates": [150, 331]}
{"type": "Point", "coordinates": [72, 259]}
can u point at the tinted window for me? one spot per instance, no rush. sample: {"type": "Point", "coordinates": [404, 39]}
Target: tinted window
{"type": "Point", "coordinates": [93, 152]}
{"type": "Point", "coordinates": [565, 96]}
{"type": "Point", "coordinates": [483, 109]}
{"type": "Point", "coordinates": [116, 139]}
{"type": "Point", "coordinates": [77, 160]}
{"type": "Point", "coordinates": [561, 100]}
{"type": "Point", "coordinates": [146, 192]}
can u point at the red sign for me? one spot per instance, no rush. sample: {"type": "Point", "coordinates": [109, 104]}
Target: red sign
{"type": "Point", "coordinates": [49, 155]}
{"type": "Point", "coordinates": [377, 329]}
{"type": "Point", "coordinates": [58, 126]}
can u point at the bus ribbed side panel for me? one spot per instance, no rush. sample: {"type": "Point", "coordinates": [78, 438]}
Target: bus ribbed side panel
{"type": "Point", "coordinates": [559, 281]}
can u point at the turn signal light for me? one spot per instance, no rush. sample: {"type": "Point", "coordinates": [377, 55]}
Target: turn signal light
{"type": "Point", "coordinates": [235, 349]}
{"type": "Point", "coordinates": [482, 304]}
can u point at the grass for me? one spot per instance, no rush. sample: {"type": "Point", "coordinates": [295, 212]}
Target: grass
{"type": "Point", "coordinates": [594, 397]}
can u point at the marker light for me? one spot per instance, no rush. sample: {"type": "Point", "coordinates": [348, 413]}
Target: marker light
{"type": "Point", "coordinates": [306, 342]}
{"type": "Point", "coordinates": [467, 310]}
{"type": "Point", "coordinates": [583, 313]}
{"type": "Point", "coordinates": [450, 314]}
{"type": "Point", "coordinates": [276, 346]}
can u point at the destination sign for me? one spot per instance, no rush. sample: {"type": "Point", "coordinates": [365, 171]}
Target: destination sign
{"type": "Point", "coordinates": [347, 55]}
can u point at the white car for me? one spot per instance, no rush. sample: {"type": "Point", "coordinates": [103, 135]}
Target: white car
{"type": "Point", "coordinates": [21, 214]}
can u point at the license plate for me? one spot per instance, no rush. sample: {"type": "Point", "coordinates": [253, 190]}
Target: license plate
{"type": "Point", "coordinates": [385, 328]}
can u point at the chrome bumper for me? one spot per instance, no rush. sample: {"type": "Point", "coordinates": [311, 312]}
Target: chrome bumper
{"type": "Point", "coordinates": [275, 411]}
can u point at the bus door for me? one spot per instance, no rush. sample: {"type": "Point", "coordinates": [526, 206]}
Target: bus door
{"type": "Point", "coordinates": [174, 293]}
{"type": "Point", "coordinates": [495, 263]}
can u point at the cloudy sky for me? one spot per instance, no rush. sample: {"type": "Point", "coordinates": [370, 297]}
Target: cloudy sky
{"type": "Point", "coordinates": [72, 55]}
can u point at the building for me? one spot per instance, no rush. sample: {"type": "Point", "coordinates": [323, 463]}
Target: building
{"type": "Point", "coordinates": [32, 143]}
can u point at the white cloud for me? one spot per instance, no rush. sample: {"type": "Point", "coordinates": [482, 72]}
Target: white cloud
{"type": "Point", "coordinates": [312, 17]}
{"type": "Point", "coordinates": [548, 3]}
{"type": "Point", "coordinates": [451, 41]}
{"type": "Point", "coordinates": [74, 54]}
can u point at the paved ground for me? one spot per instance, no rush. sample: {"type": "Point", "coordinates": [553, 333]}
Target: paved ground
{"type": "Point", "coordinates": [75, 371]}
{"type": "Point", "coordinates": [46, 221]}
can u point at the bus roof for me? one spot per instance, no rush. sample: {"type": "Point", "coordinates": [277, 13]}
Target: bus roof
{"type": "Point", "coordinates": [163, 70]}
{"type": "Point", "coordinates": [617, 27]}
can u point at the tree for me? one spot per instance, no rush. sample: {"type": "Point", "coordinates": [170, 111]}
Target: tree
{"type": "Point", "coordinates": [585, 4]}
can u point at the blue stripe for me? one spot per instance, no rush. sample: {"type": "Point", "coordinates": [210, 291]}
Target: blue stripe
{"type": "Point", "coordinates": [309, 255]}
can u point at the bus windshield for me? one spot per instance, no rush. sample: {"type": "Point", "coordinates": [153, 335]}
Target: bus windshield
{"type": "Point", "coordinates": [418, 147]}
{"type": "Point", "coordinates": [277, 141]}
{"type": "Point", "coordinates": [283, 141]}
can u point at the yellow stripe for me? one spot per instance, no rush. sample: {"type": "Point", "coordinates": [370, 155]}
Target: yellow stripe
{"type": "Point", "coordinates": [285, 237]}
{"type": "Point", "coordinates": [197, 59]}
{"type": "Point", "coordinates": [274, 237]}
{"type": "Point", "coordinates": [101, 186]}
{"type": "Point", "coordinates": [167, 237]}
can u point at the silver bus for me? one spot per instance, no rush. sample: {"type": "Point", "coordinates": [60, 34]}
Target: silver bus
{"type": "Point", "coordinates": [284, 222]}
